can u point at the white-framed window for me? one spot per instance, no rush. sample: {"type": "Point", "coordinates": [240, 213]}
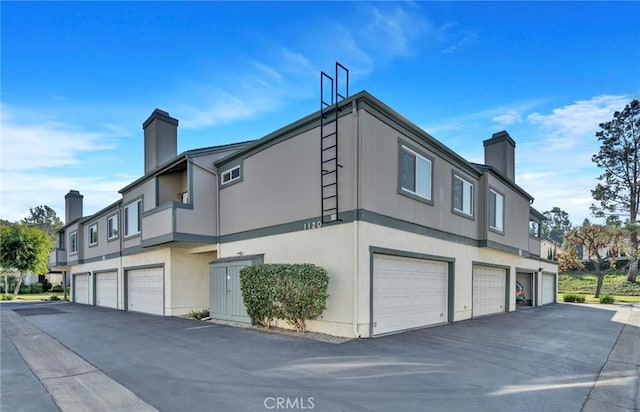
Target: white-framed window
{"type": "Point", "coordinates": [73, 243]}
{"type": "Point", "coordinates": [132, 214]}
{"type": "Point", "coordinates": [112, 227]}
{"type": "Point", "coordinates": [462, 195]}
{"type": "Point", "coordinates": [415, 173]}
{"type": "Point", "coordinates": [93, 234]}
{"type": "Point", "coordinates": [496, 210]}
{"type": "Point", "coordinates": [230, 175]}
{"type": "Point", "coordinates": [534, 228]}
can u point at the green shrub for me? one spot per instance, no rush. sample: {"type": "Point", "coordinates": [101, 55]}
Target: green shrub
{"type": "Point", "coordinates": [35, 288]}
{"type": "Point", "coordinates": [607, 299]}
{"type": "Point", "coordinates": [11, 283]}
{"type": "Point", "coordinates": [46, 286]}
{"type": "Point", "coordinates": [25, 289]}
{"type": "Point", "coordinates": [294, 292]}
{"type": "Point", "coordinates": [259, 286]}
{"type": "Point", "coordinates": [54, 297]}
{"type": "Point", "coordinates": [8, 296]}
{"type": "Point", "coordinates": [199, 314]}
{"type": "Point", "coordinates": [573, 297]}
{"type": "Point", "coordinates": [57, 289]}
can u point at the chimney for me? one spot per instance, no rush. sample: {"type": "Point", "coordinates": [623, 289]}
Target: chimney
{"type": "Point", "coordinates": [72, 206]}
{"type": "Point", "coordinates": [160, 139]}
{"type": "Point", "coordinates": [499, 152]}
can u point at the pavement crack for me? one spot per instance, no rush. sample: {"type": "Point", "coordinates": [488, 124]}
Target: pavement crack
{"type": "Point", "coordinates": [70, 376]}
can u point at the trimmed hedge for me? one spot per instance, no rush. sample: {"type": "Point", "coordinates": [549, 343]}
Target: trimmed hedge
{"type": "Point", "coordinates": [36, 288]}
{"type": "Point", "coordinates": [573, 297]}
{"type": "Point", "coordinates": [607, 299]}
{"type": "Point", "coordinates": [294, 292]}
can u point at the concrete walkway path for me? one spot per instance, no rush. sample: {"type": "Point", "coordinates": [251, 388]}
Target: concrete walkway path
{"type": "Point", "coordinates": [73, 383]}
{"type": "Point", "coordinates": [618, 388]}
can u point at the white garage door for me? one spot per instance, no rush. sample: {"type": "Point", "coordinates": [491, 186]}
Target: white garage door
{"type": "Point", "coordinates": [489, 290]}
{"type": "Point", "coordinates": [548, 288]}
{"type": "Point", "coordinates": [408, 293]}
{"type": "Point", "coordinates": [107, 289]}
{"type": "Point", "coordinates": [81, 289]}
{"type": "Point", "coordinates": [145, 290]}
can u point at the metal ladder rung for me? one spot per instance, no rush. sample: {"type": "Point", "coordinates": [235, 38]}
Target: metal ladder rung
{"type": "Point", "coordinates": [328, 172]}
{"type": "Point", "coordinates": [329, 147]}
{"type": "Point", "coordinates": [328, 210]}
{"type": "Point", "coordinates": [329, 135]}
{"type": "Point", "coordinates": [329, 197]}
{"type": "Point", "coordinates": [329, 160]}
{"type": "Point", "coordinates": [329, 185]}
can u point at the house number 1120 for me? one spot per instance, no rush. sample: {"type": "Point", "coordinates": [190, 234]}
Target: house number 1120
{"type": "Point", "coordinates": [313, 225]}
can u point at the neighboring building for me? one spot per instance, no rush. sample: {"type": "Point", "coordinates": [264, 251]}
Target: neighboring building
{"type": "Point", "coordinates": [411, 233]}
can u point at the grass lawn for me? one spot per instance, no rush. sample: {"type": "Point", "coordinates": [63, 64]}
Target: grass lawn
{"type": "Point", "coordinates": [614, 284]}
{"type": "Point", "coordinates": [40, 296]}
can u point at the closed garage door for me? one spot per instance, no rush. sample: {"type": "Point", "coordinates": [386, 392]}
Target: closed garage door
{"type": "Point", "coordinates": [489, 290]}
{"type": "Point", "coordinates": [81, 289]}
{"type": "Point", "coordinates": [548, 288]}
{"type": "Point", "coordinates": [408, 293]}
{"type": "Point", "coordinates": [145, 290]}
{"type": "Point", "coordinates": [107, 289]}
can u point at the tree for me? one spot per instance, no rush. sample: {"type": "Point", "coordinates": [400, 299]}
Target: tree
{"type": "Point", "coordinates": [24, 249]}
{"type": "Point", "coordinates": [556, 225]}
{"type": "Point", "coordinates": [597, 241]}
{"type": "Point", "coordinates": [45, 219]}
{"type": "Point", "coordinates": [619, 189]}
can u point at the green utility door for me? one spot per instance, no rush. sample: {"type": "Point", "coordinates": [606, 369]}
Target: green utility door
{"type": "Point", "coordinates": [226, 295]}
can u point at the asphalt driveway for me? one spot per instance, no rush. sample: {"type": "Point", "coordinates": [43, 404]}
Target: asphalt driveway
{"type": "Point", "coordinates": [541, 359]}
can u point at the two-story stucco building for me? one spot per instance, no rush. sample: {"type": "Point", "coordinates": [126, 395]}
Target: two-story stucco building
{"type": "Point", "coordinates": [411, 233]}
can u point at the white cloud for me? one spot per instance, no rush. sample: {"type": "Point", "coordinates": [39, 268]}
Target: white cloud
{"type": "Point", "coordinates": [22, 190]}
{"type": "Point", "coordinates": [510, 117]}
{"type": "Point", "coordinates": [29, 144]}
{"type": "Point", "coordinates": [568, 126]}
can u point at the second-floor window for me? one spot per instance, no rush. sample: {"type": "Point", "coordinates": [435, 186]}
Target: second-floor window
{"type": "Point", "coordinates": [462, 195]}
{"type": "Point", "coordinates": [73, 242]}
{"type": "Point", "coordinates": [415, 173]}
{"type": "Point", "coordinates": [93, 234]}
{"type": "Point", "coordinates": [496, 211]}
{"type": "Point", "coordinates": [132, 218]}
{"type": "Point", "coordinates": [112, 227]}
{"type": "Point", "coordinates": [230, 175]}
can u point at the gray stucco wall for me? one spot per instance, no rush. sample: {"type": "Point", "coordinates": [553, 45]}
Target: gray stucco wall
{"type": "Point", "coordinates": [281, 183]}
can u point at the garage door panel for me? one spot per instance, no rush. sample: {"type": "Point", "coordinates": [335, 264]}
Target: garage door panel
{"type": "Point", "coordinates": [145, 290]}
{"type": "Point", "coordinates": [81, 289]}
{"type": "Point", "coordinates": [408, 293]}
{"type": "Point", "coordinates": [548, 288]}
{"type": "Point", "coordinates": [489, 290]}
{"type": "Point", "coordinates": [107, 289]}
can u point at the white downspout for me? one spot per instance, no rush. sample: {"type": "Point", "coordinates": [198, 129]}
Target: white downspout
{"type": "Point", "coordinates": [356, 186]}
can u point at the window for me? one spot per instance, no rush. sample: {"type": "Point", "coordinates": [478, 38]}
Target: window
{"type": "Point", "coordinates": [415, 173]}
{"type": "Point", "coordinates": [496, 211]}
{"type": "Point", "coordinates": [534, 228]}
{"type": "Point", "coordinates": [73, 242]}
{"type": "Point", "coordinates": [231, 175]}
{"type": "Point", "coordinates": [462, 196]}
{"type": "Point", "coordinates": [93, 234]}
{"type": "Point", "coordinates": [132, 218]}
{"type": "Point", "coordinates": [112, 227]}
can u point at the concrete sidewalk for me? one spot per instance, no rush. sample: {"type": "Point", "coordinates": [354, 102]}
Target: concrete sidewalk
{"type": "Point", "coordinates": [618, 388]}
{"type": "Point", "coordinates": [73, 383]}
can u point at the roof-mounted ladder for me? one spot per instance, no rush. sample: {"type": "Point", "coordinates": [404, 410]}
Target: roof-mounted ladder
{"type": "Point", "coordinates": [329, 161]}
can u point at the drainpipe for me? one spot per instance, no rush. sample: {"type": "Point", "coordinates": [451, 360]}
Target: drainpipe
{"type": "Point", "coordinates": [356, 186]}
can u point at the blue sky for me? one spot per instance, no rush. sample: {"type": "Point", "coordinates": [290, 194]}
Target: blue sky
{"type": "Point", "coordinates": [79, 78]}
